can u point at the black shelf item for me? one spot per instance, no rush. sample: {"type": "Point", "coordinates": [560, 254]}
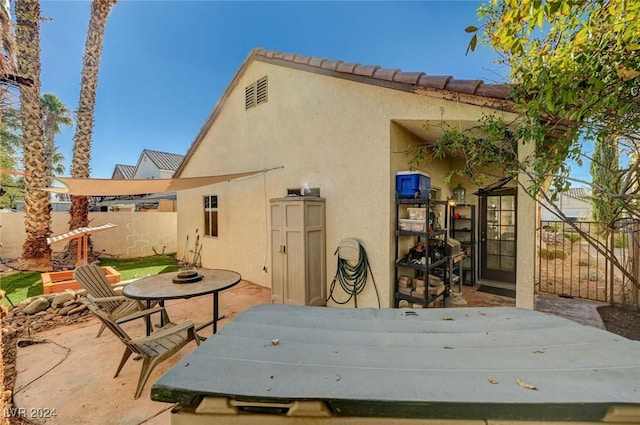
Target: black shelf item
{"type": "Point", "coordinates": [462, 219]}
{"type": "Point", "coordinates": [414, 233]}
{"type": "Point", "coordinates": [420, 250]}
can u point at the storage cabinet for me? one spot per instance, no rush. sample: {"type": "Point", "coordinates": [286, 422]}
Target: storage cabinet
{"type": "Point", "coordinates": [463, 229]}
{"type": "Point", "coordinates": [298, 251]}
{"type": "Point", "coordinates": [423, 270]}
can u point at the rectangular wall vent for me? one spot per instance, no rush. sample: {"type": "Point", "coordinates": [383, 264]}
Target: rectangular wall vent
{"type": "Point", "coordinates": [256, 93]}
{"type": "Point", "coordinates": [250, 96]}
{"type": "Point", "coordinates": [261, 90]}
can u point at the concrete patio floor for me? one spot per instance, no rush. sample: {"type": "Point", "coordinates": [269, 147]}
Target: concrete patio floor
{"type": "Point", "coordinates": [71, 373]}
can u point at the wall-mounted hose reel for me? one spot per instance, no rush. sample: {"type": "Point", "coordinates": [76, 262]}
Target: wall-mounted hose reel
{"type": "Point", "coordinates": [352, 272]}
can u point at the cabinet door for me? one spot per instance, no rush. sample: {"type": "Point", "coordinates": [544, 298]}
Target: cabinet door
{"type": "Point", "coordinates": [277, 255]}
{"type": "Point", "coordinates": [298, 252]}
{"type": "Point", "coordinates": [315, 254]}
{"type": "Point", "coordinates": [294, 256]}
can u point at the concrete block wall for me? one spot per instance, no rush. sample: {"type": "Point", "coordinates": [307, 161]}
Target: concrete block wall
{"type": "Point", "coordinates": [137, 234]}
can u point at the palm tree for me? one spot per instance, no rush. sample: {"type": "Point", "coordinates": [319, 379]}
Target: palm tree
{"type": "Point", "coordinates": [12, 144]}
{"type": "Point", "coordinates": [10, 140]}
{"type": "Point", "coordinates": [82, 140]}
{"type": "Point", "coordinates": [55, 114]}
{"type": "Point", "coordinates": [36, 253]}
{"type": "Point", "coordinates": [57, 162]}
{"type": "Point", "coordinates": [7, 65]}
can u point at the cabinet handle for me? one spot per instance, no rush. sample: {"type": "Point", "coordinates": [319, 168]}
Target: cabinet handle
{"type": "Point", "coordinates": [283, 249]}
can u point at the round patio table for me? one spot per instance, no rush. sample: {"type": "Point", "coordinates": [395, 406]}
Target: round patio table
{"type": "Point", "coordinates": [161, 287]}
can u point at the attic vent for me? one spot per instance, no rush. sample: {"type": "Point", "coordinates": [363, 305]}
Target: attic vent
{"type": "Point", "coordinates": [256, 93]}
{"type": "Point", "coordinates": [261, 90]}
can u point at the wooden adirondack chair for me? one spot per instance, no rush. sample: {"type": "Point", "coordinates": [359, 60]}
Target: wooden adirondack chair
{"type": "Point", "coordinates": [101, 292]}
{"type": "Point", "coordinates": [153, 349]}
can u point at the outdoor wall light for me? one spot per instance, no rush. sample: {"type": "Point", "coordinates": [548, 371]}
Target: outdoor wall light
{"type": "Point", "coordinates": [460, 194]}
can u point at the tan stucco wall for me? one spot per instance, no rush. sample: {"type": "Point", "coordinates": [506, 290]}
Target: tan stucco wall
{"type": "Point", "coordinates": [136, 235]}
{"type": "Point", "coordinates": [526, 243]}
{"type": "Point", "coordinates": [330, 133]}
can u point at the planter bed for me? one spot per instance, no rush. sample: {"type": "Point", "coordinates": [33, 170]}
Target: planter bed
{"type": "Point", "coordinates": [55, 282]}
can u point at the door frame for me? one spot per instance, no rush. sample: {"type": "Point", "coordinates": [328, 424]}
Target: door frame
{"type": "Point", "coordinates": [484, 273]}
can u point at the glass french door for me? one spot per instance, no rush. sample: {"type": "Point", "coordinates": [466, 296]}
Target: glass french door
{"type": "Point", "coordinates": [498, 223]}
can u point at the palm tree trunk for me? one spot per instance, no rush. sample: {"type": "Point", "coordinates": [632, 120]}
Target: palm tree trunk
{"type": "Point", "coordinates": [82, 140]}
{"type": "Point", "coordinates": [36, 253]}
{"type": "Point", "coordinates": [49, 149]}
{"type": "Point", "coordinates": [7, 64]}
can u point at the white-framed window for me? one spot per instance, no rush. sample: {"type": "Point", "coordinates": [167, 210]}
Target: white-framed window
{"type": "Point", "coordinates": [256, 93]}
{"type": "Point", "coordinates": [210, 203]}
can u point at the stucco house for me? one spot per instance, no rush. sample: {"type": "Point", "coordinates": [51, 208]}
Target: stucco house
{"type": "Point", "coordinates": [345, 129]}
{"type": "Point", "coordinates": [574, 203]}
{"type": "Point", "coordinates": [157, 165]}
{"type": "Point", "coordinates": [122, 171]}
{"type": "Point", "coordinates": [151, 164]}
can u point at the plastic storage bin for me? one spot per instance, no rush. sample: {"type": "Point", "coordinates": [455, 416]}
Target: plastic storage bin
{"type": "Point", "coordinates": [413, 184]}
{"type": "Point", "coordinates": [417, 213]}
{"type": "Point", "coordinates": [413, 225]}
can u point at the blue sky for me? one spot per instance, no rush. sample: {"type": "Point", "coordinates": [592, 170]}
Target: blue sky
{"type": "Point", "coordinates": [166, 63]}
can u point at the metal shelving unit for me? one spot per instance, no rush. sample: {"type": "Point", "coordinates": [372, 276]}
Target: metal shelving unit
{"type": "Point", "coordinates": [429, 231]}
{"type": "Point", "coordinates": [463, 229]}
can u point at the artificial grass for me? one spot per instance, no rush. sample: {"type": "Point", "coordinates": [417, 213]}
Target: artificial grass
{"type": "Point", "coordinates": [20, 286]}
{"type": "Point", "coordinates": [135, 268]}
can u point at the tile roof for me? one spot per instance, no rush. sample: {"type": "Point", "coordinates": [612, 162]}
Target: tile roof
{"type": "Point", "coordinates": [164, 160]}
{"type": "Point", "coordinates": [581, 193]}
{"type": "Point", "coordinates": [388, 77]}
{"type": "Point", "coordinates": [126, 171]}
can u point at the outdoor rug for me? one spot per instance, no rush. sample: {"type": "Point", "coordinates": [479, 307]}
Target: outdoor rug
{"type": "Point", "coordinates": [511, 293]}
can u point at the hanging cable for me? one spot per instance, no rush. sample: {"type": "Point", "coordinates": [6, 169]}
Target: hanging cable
{"type": "Point", "coordinates": [352, 277]}
{"type": "Point", "coordinates": [266, 220]}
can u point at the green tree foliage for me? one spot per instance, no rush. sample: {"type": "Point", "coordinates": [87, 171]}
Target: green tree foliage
{"type": "Point", "coordinates": [575, 70]}
{"type": "Point", "coordinates": [10, 148]}
{"type": "Point", "coordinates": [604, 172]}
{"type": "Point", "coordinates": [55, 114]}
{"type": "Point", "coordinates": [575, 75]}
{"type": "Point", "coordinates": [487, 148]}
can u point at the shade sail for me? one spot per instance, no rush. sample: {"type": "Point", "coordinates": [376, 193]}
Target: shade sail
{"type": "Point", "coordinates": [115, 187]}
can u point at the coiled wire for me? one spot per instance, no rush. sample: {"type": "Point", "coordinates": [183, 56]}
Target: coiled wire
{"type": "Point", "coordinates": [352, 278]}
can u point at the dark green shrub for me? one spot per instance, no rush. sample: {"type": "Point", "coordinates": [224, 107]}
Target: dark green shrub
{"type": "Point", "coordinates": [553, 253]}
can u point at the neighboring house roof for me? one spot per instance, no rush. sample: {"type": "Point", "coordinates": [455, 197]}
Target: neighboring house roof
{"type": "Point", "coordinates": [581, 193]}
{"type": "Point", "coordinates": [163, 160]}
{"type": "Point", "coordinates": [474, 92]}
{"type": "Point", "coordinates": [126, 171]}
